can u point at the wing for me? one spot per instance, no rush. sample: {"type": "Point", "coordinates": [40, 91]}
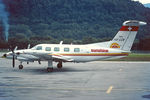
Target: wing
{"type": "Point", "coordinates": [42, 56]}
{"type": "Point", "coordinates": [27, 57]}
{"type": "Point", "coordinates": [57, 57]}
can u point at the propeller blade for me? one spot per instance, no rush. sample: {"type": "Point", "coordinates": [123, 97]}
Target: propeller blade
{"type": "Point", "coordinates": [13, 61]}
{"type": "Point", "coordinates": [13, 54]}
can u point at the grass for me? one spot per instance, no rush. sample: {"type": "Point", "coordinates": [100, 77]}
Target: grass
{"type": "Point", "coordinates": [135, 57]}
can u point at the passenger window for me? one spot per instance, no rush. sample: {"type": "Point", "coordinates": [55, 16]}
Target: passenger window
{"type": "Point", "coordinates": [76, 49]}
{"type": "Point", "coordinates": [66, 49]}
{"type": "Point", "coordinates": [48, 49]}
{"type": "Point", "coordinates": [39, 48]}
{"type": "Point", "coordinates": [56, 49]}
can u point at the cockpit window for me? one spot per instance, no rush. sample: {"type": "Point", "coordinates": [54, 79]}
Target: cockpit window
{"type": "Point", "coordinates": [39, 48]}
{"type": "Point", "coordinates": [34, 48]}
{"type": "Point", "coordinates": [48, 49]}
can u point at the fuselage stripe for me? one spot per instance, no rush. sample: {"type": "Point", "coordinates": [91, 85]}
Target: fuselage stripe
{"type": "Point", "coordinates": [95, 54]}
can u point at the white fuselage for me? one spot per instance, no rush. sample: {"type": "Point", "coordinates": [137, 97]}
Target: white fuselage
{"type": "Point", "coordinates": [79, 53]}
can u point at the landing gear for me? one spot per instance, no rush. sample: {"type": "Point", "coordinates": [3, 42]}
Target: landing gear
{"type": "Point", "coordinates": [49, 69]}
{"type": "Point", "coordinates": [20, 66]}
{"type": "Point", "coordinates": [39, 62]}
{"type": "Point", "coordinates": [50, 66]}
{"type": "Point", "coordinates": [59, 65]}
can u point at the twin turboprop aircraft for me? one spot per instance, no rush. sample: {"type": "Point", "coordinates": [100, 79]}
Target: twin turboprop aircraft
{"type": "Point", "coordinates": [118, 47]}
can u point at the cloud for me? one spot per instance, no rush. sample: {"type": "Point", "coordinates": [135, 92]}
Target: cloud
{"type": "Point", "coordinates": [143, 1]}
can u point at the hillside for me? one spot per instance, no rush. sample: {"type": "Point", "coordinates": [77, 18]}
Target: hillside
{"type": "Point", "coordinates": [72, 20]}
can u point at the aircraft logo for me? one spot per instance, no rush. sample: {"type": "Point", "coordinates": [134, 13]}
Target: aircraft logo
{"type": "Point", "coordinates": [114, 45]}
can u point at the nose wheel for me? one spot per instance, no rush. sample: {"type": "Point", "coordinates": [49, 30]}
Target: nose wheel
{"type": "Point", "coordinates": [50, 66]}
{"type": "Point", "coordinates": [20, 66]}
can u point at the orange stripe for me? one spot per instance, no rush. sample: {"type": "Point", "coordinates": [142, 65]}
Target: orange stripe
{"type": "Point", "coordinates": [96, 54]}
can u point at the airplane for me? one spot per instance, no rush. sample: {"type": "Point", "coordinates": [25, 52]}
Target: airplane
{"type": "Point", "coordinates": [118, 47]}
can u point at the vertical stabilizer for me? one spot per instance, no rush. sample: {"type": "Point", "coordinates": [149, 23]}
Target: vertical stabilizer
{"type": "Point", "coordinates": [125, 37]}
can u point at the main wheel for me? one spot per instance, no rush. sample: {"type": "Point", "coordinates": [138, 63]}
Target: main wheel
{"type": "Point", "coordinates": [20, 66]}
{"type": "Point", "coordinates": [59, 65]}
{"type": "Point", "coordinates": [49, 69]}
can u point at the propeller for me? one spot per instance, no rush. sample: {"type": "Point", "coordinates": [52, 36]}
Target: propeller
{"type": "Point", "coordinates": [13, 54]}
{"type": "Point", "coordinates": [13, 61]}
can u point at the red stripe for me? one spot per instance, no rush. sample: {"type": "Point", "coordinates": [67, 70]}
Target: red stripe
{"type": "Point", "coordinates": [129, 28]}
{"type": "Point", "coordinates": [95, 54]}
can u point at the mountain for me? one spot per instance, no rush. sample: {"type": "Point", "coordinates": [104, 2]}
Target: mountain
{"type": "Point", "coordinates": [72, 20]}
{"type": "Point", "coordinates": [147, 5]}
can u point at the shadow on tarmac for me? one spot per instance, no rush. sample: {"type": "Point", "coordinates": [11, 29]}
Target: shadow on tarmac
{"type": "Point", "coordinates": [146, 96]}
{"type": "Point", "coordinates": [44, 71]}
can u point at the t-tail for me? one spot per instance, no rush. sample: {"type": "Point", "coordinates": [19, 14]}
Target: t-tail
{"type": "Point", "coordinates": [125, 37]}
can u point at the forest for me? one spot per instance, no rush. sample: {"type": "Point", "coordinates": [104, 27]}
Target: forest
{"type": "Point", "coordinates": [72, 21]}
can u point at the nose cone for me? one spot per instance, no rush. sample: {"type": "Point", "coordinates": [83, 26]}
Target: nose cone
{"type": "Point", "coordinates": [4, 56]}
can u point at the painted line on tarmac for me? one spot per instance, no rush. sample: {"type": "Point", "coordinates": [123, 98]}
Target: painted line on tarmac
{"type": "Point", "coordinates": [109, 90]}
{"type": "Point", "coordinates": [120, 69]}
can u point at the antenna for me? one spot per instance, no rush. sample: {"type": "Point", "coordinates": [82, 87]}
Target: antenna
{"type": "Point", "coordinates": [61, 42]}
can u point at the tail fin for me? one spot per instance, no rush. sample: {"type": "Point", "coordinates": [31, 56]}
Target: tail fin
{"type": "Point", "coordinates": [125, 37]}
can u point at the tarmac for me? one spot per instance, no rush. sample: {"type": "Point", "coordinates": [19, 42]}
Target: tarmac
{"type": "Point", "coordinates": [100, 80]}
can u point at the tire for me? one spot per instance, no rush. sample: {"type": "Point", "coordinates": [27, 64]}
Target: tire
{"type": "Point", "coordinates": [20, 66]}
{"type": "Point", "coordinates": [49, 69]}
{"type": "Point", "coordinates": [59, 65]}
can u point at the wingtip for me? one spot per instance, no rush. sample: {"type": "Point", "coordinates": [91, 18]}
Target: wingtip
{"type": "Point", "coordinates": [142, 23]}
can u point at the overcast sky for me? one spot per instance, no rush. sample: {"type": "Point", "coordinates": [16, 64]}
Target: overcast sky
{"type": "Point", "coordinates": [143, 1]}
